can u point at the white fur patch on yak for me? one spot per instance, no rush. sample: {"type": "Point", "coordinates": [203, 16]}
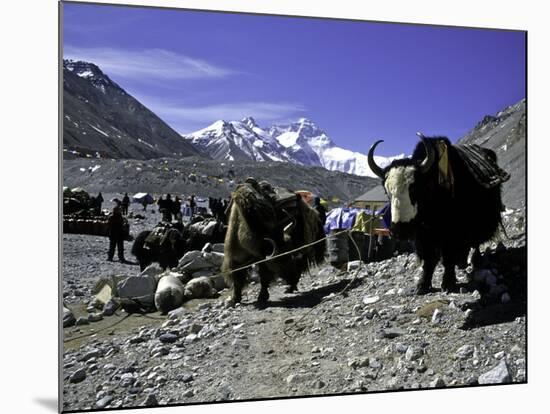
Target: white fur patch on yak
{"type": "Point", "coordinates": [398, 180]}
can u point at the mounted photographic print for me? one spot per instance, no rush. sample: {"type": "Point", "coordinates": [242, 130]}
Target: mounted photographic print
{"type": "Point", "coordinates": [265, 206]}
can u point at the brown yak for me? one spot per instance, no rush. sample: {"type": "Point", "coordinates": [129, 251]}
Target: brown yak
{"type": "Point", "coordinates": [264, 222]}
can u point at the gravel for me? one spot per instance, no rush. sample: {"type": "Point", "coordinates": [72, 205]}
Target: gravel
{"type": "Point", "coordinates": [312, 342]}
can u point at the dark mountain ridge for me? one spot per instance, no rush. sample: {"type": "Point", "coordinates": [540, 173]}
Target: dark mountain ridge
{"type": "Point", "coordinates": [102, 119]}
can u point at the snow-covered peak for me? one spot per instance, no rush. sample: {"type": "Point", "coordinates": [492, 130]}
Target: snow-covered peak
{"type": "Point", "coordinates": [249, 122]}
{"type": "Point", "coordinates": [301, 142]}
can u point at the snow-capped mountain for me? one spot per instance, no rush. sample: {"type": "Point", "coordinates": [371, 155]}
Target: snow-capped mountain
{"type": "Point", "coordinates": [301, 142]}
{"type": "Point", "coordinates": [236, 140]}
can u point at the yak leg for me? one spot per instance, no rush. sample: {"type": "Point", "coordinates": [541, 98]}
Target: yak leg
{"type": "Point", "coordinates": [449, 276]}
{"type": "Point", "coordinates": [293, 276]}
{"type": "Point", "coordinates": [430, 256]}
{"type": "Point", "coordinates": [239, 280]}
{"type": "Point", "coordinates": [265, 278]}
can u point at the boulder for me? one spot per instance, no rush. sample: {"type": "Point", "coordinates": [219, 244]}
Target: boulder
{"type": "Point", "coordinates": [189, 257]}
{"type": "Point", "coordinates": [169, 294]}
{"type": "Point", "coordinates": [140, 287]}
{"type": "Point", "coordinates": [153, 270]}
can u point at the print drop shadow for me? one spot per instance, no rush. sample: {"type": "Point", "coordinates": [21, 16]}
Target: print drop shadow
{"type": "Point", "coordinates": [511, 263]}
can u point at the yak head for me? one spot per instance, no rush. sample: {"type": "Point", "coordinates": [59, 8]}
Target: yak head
{"type": "Point", "coordinates": [404, 181]}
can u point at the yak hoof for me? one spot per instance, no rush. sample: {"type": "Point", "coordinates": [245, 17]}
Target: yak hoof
{"type": "Point", "coordinates": [449, 286]}
{"type": "Point", "coordinates": [422, 289]}
{"type": "Point", "coordinates": [263, 297]}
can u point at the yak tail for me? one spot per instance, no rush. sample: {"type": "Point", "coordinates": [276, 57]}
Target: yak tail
{"type": "Point", "coordinates": [139, 242]}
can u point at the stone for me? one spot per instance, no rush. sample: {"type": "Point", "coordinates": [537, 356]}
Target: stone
{"type": "Point", "coordinates": [188, 393]}
{"type": "Point", "coordinates": [465, 351]}
{"type": "Point", "coordinates": [95, 317]}
{"type": "Point", "coordinates": [178, 313]}
{"type": "Point", "coordinates": [195, 328]}
{"type": "Point", "coordinates": [499, 355]}
{"type": "Point", "coordinates": [498, 375]}
{"type": "Point", "coordinates": [104, 402]}
{"type": "Point", "coordinates": [127, 380]}
{"type": "Point", "coordinates": [91, 354]}
{"type": "Point", "coordinates": [68, 318]}
{"type": "Point", "coordinates": [153, 271]}
{"type": "Point", "coordinates": [110, 307]}
{"type": "Point", "coordinates": [142, 287]}
{"type": "Point", "coordinates": [168, 338]}
{"type": "Point", "coordinates": [437, 316]}
{"type": "Point", "coordinates": [150, 400]}
{"type": "Point", "coordinates": [369, 300]}
{"type": "Point", "coordinates": [438, 382]}
{"type": "Point", "coordinates": [413, 353]}
{"type": "Point", "coordinates": [82, 321]}
{"type": "Point", "coordinates": [319, 384]}
{"type": "Point", "coordinates": [354, 265]}
{"type": "Point", "coordinates": [78, 376]}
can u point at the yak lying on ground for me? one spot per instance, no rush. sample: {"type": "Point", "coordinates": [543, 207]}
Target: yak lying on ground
{"type": "Point", "coordinates": [167, 243]}
{"type": "Point", "coordinates": [445, 197]}
{"type": "Point", "coordinates": [262, 223]}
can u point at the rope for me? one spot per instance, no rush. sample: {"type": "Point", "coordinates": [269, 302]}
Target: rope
{"type": "Point", "coordinates": [327, 298]}
{"type": "Point", "coordinates": [137, 298]}
{"type": "Point", "coordinates": [100, 330]}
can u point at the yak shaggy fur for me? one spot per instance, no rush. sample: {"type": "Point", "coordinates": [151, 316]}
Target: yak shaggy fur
{"type": "Point", "coordinates": [253, 217]}
{"type": "Point", "coordinates": [448, 221]}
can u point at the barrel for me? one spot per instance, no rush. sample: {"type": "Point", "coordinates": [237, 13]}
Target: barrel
{"type": "Point", "coordinates": [338, 250]}
{"type": "Point", "coordinates": [359, 239]}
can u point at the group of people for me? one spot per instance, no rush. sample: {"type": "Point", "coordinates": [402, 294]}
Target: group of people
{"type": "Point", "coordinates": [218, 207]}
{"type": "Point", "coordinates": [169, 208]}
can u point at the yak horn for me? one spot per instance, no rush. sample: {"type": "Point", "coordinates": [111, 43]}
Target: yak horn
{"type": "Point", "coordinates": [372, 165]}
{"type": "Point", "coordinates": [273, 246]}
{"type": "Point", "coordinates": [426, 164]}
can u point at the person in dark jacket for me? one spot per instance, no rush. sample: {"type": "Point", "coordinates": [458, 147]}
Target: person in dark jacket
{"type": "Point", "coordinates": [176, 209]}
{"type": "Point", "coordinates": [320, 209]}
{"type": "Point", "coordinates": [116, 233]}
{"type": "Point", "coordinates": [97, 204]}
{"type": "Point", "coordinates": [125, 204]}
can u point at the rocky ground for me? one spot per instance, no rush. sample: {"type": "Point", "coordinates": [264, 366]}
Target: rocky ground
{"type": "Point", "coordinates": [344, 332]}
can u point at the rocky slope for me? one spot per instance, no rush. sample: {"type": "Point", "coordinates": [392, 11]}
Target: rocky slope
{"type": "Point", "coordinates": [344, 332]}
{"type": "Point", "coordinates": [102, 119]}
{"type": "Point", "coordinates": [505, 133]}
{"type": "Point", "coordinates": [207, 178]}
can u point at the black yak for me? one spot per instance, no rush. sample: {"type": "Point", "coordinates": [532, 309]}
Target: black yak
{"type": "Point", "coordinates": [258, 227]}
{"type": "Point", "coordinates": [445, 197]}
{"type": "Point", "coordinates": [167, 243]}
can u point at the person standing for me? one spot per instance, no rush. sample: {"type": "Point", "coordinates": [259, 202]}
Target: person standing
{"type": "Point", "coordinates": [320, 209]}
{"type": "Point", "coordinates": [176, 209]}
{"type": "Point", "coordinates": [115, 224]}
{"type": "Point", "coordinates": [125, 204]}
{"type": "Point", "coordinates": [98, 202]}
{"type": "Point", "coordinates": [192, 204]}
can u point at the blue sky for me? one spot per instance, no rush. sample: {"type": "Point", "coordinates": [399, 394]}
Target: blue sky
{"type": "Point", "coordinates": [359, 81]}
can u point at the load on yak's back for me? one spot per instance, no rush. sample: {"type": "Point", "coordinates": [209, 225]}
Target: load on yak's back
{"type": "Point", "coordinates": [266, 221]}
